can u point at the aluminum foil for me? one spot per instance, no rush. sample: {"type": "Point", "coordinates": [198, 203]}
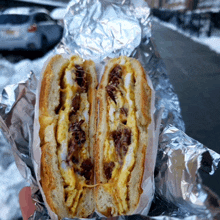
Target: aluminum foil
{"type": "Point", "coordinates": [101, 30]}
{"type": "Point", "coordinates": [177, 178]}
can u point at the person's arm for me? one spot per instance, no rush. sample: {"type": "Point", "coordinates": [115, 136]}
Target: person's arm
{"type": "Point", "coordinates": [26, 203]}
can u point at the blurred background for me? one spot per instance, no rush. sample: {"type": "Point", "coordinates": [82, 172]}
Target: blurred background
{"type": "Point", "coordinates": [30, 28]}
{"type": "Point", "coordinates": [186, 33]}
{"type": "Point", "coordinates": [187, 36]}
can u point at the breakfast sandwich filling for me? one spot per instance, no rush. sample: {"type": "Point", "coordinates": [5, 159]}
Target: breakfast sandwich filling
{"type": "Point", "coordinates": [75, 163]}
{"type": "Point", "coordinates": [122, 137]}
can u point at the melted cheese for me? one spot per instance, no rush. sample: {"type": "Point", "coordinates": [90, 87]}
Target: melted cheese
{"type": "Point", "coordinates": [117, 185]}
{"type": "Point", "coordinates": [74, 185]}
{"type": "Point", "coordinates": [114, 111]}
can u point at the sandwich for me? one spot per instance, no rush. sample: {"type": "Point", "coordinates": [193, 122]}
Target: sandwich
{"type": "Point", "coordinates": [124, 103]}
{"type": "Point", "coordinates": [67, 106]}
{"type": "Point", "coordinates": [88, 134]}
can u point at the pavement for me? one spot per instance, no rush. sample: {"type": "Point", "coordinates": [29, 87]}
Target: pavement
{"type": "Point", "coordinates": [194, 71]}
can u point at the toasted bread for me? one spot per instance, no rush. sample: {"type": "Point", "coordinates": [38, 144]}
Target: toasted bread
{"type": "Point", "coordinates": [67, 132]}
{"type": "Point", "coordinates": [124, 98]}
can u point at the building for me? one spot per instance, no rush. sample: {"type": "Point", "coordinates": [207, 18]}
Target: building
{"type": "Point", "coordinates": [182, 5]}
{"type": "Point", "coordinates": [168, 4]}
{"type": "Point", "coordinates": [208, 4]}
{"type": "Point", "coordinates": [48, 4]}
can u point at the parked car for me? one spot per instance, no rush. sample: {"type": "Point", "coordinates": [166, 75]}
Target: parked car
{"type": "Point", "coordinates": [28, 29]}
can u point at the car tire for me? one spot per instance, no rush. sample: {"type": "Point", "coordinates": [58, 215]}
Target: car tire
{"type": "Point", "coordinates": [44, 44]}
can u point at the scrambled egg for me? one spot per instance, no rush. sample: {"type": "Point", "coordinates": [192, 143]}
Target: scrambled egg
{"type": "Point", "coordinates": [117, 185]}
{"type": "Point", "coordinates": [73, 183]}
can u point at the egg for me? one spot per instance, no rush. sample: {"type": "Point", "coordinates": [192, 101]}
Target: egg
{"type": "Point", "coordinates": [117, 185]}
{"type": "Point", "coordinates": [73, 183]}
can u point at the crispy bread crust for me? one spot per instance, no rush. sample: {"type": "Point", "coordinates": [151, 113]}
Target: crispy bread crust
{"type": "Point", "coordinates": [92, 94]}
{"type": "Point", "coordinates": [46, 109]}
{"type": "Point", "coordinates": [51, 181]}
{"type": "Point", "coordinates": [105, 204]}
{"type": "Point", "coordinates": [51, 178]}
{"type": "Point", "coordinates": [143, 94]}
{"type": "Point", "coordinates": [87, 206]}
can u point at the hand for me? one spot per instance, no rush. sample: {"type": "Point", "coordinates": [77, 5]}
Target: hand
{"type": "Point", "coordinates": [26, 203]}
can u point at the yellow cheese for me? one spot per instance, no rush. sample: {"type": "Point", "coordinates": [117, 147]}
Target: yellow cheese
{"type": "Point", "coordinates": [63, 126]}
{"type": "Point", "coordinates": [71, 195]}
{"type": "Point", "coordinates": [73, 209]}
{"type": "Point", "coordinates": [116, 171]}
{"type": "Point", "coordinates": [106, 151]}
{"type": "Point", "coordinates": [73, 184]}
{"type": "Point", "coordinates": [119, 180]}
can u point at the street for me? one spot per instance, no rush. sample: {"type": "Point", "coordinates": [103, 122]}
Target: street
{"type": "Point", "coordinates": [194, 71]}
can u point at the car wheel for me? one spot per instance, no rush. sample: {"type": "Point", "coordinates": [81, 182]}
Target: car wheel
{"type": "Point", "coordinates": [44, 44]}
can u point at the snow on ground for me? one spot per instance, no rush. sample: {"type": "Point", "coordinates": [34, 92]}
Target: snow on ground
{"type": "Point", "coordinates": [11, 181]}
{"type": "Point", "coordinates": [58, 13]}
{"type": "Point", "coordinates": [212, 42]}
{"type": "Point", "coordinates": [48, 2]}
{"type": "Point", "coordinates": [14, 73]}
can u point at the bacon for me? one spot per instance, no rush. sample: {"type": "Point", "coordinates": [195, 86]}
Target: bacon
{"type": "Point", "coordinates": [124, 111]}
{"type": "Point", "coordinates": [114, 80]}
{"type": "Point", "coordinates": [75, 104]}
{"type": "Point", "coordinates": [111, 92]}
{"type": "Point", "coordinates": [108, 168]}
{"type": "Point", "coordinates": [122, 139]}
{"type": "Point", "coordinates": [76, 141]}
{"type": "Point", "coordinates": [115, 75]}
{"type": "Point", "coordinates": [86, 169]}
{"type": "Point", "coordinates": [78, 135]}
{"type": "Point", "coordinates": [123, 115]}
{"type": "Point", "coordinates": [126, 137]}
{"type": "Point", "coordinates": [81, 78]}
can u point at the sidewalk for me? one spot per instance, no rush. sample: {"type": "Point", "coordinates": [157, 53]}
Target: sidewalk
{"type": "Point", "coordinates": [194, 71]}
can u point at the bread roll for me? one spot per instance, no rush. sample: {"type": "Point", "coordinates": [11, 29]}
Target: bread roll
{"type": "Point", "coordinates": [67, 132]}
{"type": "Point", "coordinates": [124, 98]}
{"type": "Point", "coordinates": [71, 145]}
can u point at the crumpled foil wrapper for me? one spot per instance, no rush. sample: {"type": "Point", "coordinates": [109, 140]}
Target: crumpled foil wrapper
{"type": "Point", "coordinates": [177, 179]}
{"type": "Point", "coordinates": [100, 30]}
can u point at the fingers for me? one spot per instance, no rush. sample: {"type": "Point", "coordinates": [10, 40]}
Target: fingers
{"type": "Point", "coordinates": [26, 203]}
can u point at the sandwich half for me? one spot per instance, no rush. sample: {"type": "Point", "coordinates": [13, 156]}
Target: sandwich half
{"type": "Point", "coordinates": [67, 131]}
{"type": "Point", "coordinates": [124, 103]}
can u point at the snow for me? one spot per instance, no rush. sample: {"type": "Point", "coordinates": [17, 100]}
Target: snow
{"type": "Point", "coordinates": [14, 73]}
{"type": "Point", "coordinates": [11, 181]}
{"type": "Point", "coordinates": [179, 7]}
{"type": "Point", "coordinates": [47, 2]}
{"type": "Point", "coordinates": [176, 1]}
{"type": "Point", "coordinates": [209, 3]}
{"type": "Point", "coordinates": [22, 10]}
{"type": "Point", "coordinates": [212, 42]}
{"type": "Point", "coordinates": [58, 13]}
{"type": "Point", "coordinates": [214, 10]}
